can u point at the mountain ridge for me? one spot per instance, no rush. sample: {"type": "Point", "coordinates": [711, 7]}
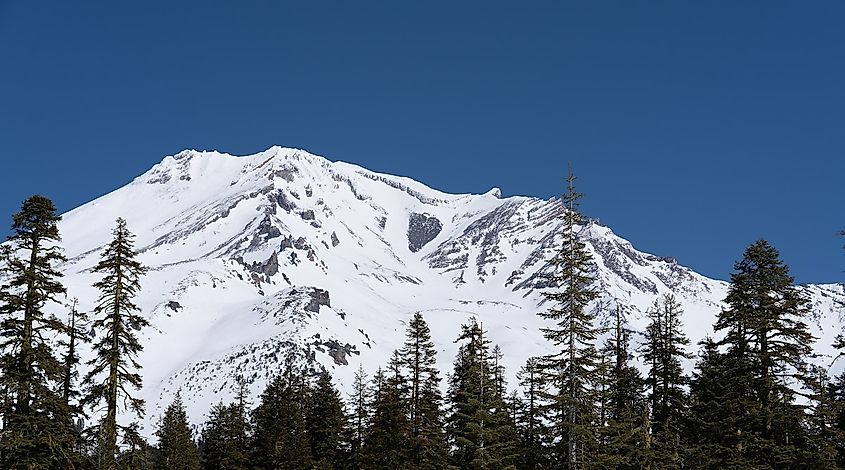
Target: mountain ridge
{"type": "Point", "coordinates": [255, 257]}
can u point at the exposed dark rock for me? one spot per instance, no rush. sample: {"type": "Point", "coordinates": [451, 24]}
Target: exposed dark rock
{"type": "Point", "coordinates": [282, 201]}
{"type": "Point", "coordinates": [174, 305]}
{"type": "Point", "coordinates": [318, 297]}
{"type": "Point", "coordinates": [422, 228]}
{"type": "Point", "coordinates": [286, 173]}
{"type": "Point", "coordinates": [307, 214]}
{"type": "Point", "coordinates": [308, 191]}
{"type": "Point", "coordinates": [335, 240]}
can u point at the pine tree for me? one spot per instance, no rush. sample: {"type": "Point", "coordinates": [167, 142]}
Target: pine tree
{"type": "Point", "coordinates": [37, 431]}
{"type": "Point", "coordinates": [531, 419]}
{"type": "Point", "coordinates": [418, 357]}
{"type": "Point", "coordinates": [387, 443]}
{"type": "Point", "coordinates": [176, 447]}
{"type": "Point", "coordinates": [224, 442]}
{"type": "Point", "coordinates": [324, 424]}
{"type": "Point", "coordinates": [113, 373]}
{"type": "Point", "coordinates": [571, 371]}
{"type": "Point", "coordinates": [663, 349]}
{"type": "Point", "coordinates": [280, 440]}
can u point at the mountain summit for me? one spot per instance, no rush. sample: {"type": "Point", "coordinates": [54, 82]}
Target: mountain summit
{"type": "Point", "coordinates": [256, 257]}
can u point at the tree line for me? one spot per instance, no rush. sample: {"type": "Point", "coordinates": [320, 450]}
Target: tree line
{"type": "Point", "coordinates": [756, 398]}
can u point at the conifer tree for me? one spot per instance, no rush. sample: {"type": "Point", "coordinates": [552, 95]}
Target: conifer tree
{"type": "Point", "coordinates": [224, 443]}
{"type": "Point", "coordinates": [280, 440]}
{"type": "Point", "coordinates": [387, 441]}
{"type": "Point", "coordinates": [663, 349]}
{"type": "Point", "coordinates": [36, 419]}
{"type": "Point", "coordinates": [752, 378]}
{"type": "Point", "coordinates": [531, 419]}
{"type": "Point", "coordinates": [324, 424]}
{"type": "Point", "coordinates": [136, 454]}
{"type": "Point", "coordinates": [478, 425]}
{"type": "Point", "coordinates": [571, 372]}
{"type": "Point", "coordinates": [176, 447]}
{"type": "Point", "coordinates": [418, 357]}
{"type": "Point", "coordinates": [623, 430]}
{"type": "Point", "coordinates": [358, 418]}
{"type": "Point", "coordinates": [114, 369]}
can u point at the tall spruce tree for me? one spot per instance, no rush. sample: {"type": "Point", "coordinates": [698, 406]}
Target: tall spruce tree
{"type": "Point", "coordinates": [37, 431]}
{"type": "Point", "coordinates": [280, 440]}
{"type": "Point", "coordinates": [663, 350]}
{"type": "Point", "coordinates": [114, 368]}
{"type": "Point", "coordinates": [427, 437]}
{"type": "Point", "coordinates": [176, 447]}
{"type": "Point", "coordinates": [571, 371]}
{"type": "Point", "coordinates": [325, 422]}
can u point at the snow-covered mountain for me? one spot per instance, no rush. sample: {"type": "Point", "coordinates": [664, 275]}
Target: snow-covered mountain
{"type": "Point", "coordinates": [283, 251]}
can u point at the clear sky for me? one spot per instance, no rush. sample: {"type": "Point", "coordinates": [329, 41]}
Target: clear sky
{"type": "Point", "coordinates": [695, 127]}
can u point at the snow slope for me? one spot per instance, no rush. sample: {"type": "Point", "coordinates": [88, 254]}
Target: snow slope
{"type": "Point", "coordinates": [257, 256]}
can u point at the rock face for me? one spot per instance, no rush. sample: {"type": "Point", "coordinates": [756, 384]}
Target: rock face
{"type": "Point", "coordinates": [422, 229]}
{"type": "Point", "coordinates": [286, 256]}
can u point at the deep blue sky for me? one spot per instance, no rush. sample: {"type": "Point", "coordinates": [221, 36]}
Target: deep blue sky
{"type": "Point", "coordinates": [694, 127]}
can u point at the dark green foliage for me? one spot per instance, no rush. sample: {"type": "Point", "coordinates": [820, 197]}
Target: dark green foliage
{"type": "Point", "coordinates": [324, 424]}
{"type": "Point", "coordinates": [136, 453]}
{"type": "Point", "coordinates": [531, 419]}
{"type": "Point", "coordinates": [663, 349]}
{"type": "Point", "coordinates": [750, 378]}
{"type": "Point", "coordinates": [358, 419]}
{"type": "Point", "coordinates": [571, 372]}
{"type": "Point", "coordinates": [38, 427]}
{"type": "Point", "coordinates": [480, 428]}
{"type": "Point", "coordinates": [113, 375]}
{"type": "Point", "coordinates": [387, 443]}
{"type": "Point", "coordinates": [176, 447]}
{"type": "Point", "coordinates": [280, 440]}
{"type": "Point", "coordinates": [224, 442]}
{"type": "Point", "coordinates": [623, 427]}
{"type": "Point", "coordinates": [418, 357]}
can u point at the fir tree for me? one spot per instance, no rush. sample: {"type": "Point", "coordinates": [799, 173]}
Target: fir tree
{"type": "Point", "coordinates": [387, 442]}
{"type": "Point", "coordinates": [478, 425]}
{"type": "Point", "coordinates": [113, 375]}
{"type": "Point", "coordinates": [280, 440]}
{"type": "Point", "coordinates": [136, 454]}
{"type": "Point", "coordinates": [663, 349]}
{"type": "Point", "coordinates": [531, 419]}
{"type": "Point", "coordinates": [37, 431]}
{"type": "Point", "coordinates": [358, 418]}
{"type": "Point", "coordinates": [418, 357]}
{"type": "Point", "coordinates": [324, 423]}
{"type": "Point", "coordinates": [176, 447]}
{"type": "Point", "coordinates": [571, 371]}
{"type": "Point", "coordinates": [224, 443]}
{"type": "Point", "coordinates": [623, 431]}
{"type": "Point", "coordinates": [752, 378]}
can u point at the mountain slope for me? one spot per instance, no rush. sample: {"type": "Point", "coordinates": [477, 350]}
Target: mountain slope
{"type": "Point", "coordinates": [255, 257]}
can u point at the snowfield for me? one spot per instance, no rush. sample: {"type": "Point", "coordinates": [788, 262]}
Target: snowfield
{"type": "Point", "coordinates": [252, 258]}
